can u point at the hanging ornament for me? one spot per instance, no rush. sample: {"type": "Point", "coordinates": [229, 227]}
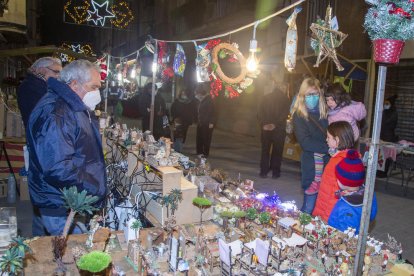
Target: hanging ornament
{"type": "Point", "coordinates": [203, 60]}
{"type": "Point", "coordinates": [326, 38]}
{"type": "Point", "coordinates": [179, 61]}
{"type": "Point", "coordinates": [103, 66]}
{"type": "Point", "coordinates": [291, 41]}
{"type": "Point", "coordinates": [100, 13]}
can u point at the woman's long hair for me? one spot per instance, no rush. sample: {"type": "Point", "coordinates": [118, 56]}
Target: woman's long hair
{"type": "Point", "coordinates": [300, 107]}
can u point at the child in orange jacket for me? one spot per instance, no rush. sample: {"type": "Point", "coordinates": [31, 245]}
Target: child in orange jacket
{"type": "Point", "coordinates": [340, 139]}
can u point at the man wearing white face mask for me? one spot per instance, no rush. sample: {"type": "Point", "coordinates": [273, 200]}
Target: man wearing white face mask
{"type": "Point", "coordinates": [65, 144]}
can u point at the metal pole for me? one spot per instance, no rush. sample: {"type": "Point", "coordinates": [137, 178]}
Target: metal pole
{"type": "Point", "coordinates": [154, 75]}
{"type": "Point", "coordinates": [107, 84]}
{"type": "Point", "coordinates": [371, 172]}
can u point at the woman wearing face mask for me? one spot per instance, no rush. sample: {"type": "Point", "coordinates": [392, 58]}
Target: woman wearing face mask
{"type": "Point", "coordinates": [342, 108]}
{"type": "Point", "coordinates": [184, 113]}
{"type": "Point", "coordinates": [310, 123]}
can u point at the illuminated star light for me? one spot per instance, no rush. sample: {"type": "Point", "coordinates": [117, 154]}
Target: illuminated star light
{"type": "Point", "coordinates": [94, 16]}
{"type": "Point", "coordinates": [98, 8]}
{"type": "Point", "coordinates": [77, 48]}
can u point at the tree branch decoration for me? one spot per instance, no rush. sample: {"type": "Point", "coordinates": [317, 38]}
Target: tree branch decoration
{"type": "Point", "coordinates": [325, 40]}
{"type": "Point", "coordinates": [80, 203]}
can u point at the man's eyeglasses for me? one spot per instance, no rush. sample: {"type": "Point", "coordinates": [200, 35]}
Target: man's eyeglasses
{"type": "Point", "coordinates": [57, 72]}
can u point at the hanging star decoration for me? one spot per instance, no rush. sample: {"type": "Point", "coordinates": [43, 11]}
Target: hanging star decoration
{"type": "Point", "coordinates": [64, 57]}
{"type": "Point", "coordinates": [76, 48]}
{"type": "Point", "coordinates": [100, 13]}
{"type": "Point", "coordinates": [94, 16]}
{"type": "Point", "coordinates": [326, 38]}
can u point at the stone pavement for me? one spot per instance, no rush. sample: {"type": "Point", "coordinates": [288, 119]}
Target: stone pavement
{"type": "Point", "coordinates": [241, 154]}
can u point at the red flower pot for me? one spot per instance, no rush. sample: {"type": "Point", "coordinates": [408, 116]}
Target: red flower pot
{"type": "Point", "coordinates": [388, 51]}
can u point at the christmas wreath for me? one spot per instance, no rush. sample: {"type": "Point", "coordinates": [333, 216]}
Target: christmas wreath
{"type": "Point", "coordinates": [232, 87]}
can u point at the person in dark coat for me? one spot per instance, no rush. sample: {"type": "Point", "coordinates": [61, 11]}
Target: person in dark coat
{"type": "Point", "coordinates": [34, 86]}
{"type": "Point", "coordinates": [205, 121]}
{"type": "Point", "coordinates": [273, 112]}
{"type": "Point", "coordinates": [184, 113]}
{"type": "Point", "coordinates": [30, 91]}
{"type": "Point", "coordinates": [389, 120]}
{"type": "Point", "coordinates": [160, 110]}
{"type": "Point", "coordinates": [310, 123]}
{"type": "Point", "coordinates": [65, 144]}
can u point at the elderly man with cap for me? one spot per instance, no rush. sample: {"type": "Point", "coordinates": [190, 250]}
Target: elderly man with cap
{"type": "Point", "coordinates": [65, 143]}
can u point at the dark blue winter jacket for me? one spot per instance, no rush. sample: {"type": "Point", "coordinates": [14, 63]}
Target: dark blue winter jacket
{"type": "Point", "coordinates": [30, 91]}
{"type": "Point", "coordinates": [348, 210]}
{"type": "Point", "coordinates": [65, 150]}
{"type": "Point", "coordinates": [312, 140]}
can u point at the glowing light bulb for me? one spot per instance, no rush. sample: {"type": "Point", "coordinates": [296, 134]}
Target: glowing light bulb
{"type": "Point", "coordinates": [251, 62]}
{"type": "Point", "coordinates": [154, 67]}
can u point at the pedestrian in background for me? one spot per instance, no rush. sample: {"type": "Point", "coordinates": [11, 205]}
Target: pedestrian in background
{"type": "Point", "coordinates": [184, 113]}
{"type": "Point", "coordinates": [273, 112]}
{"type": "Point", "coordinates": [206, 117]}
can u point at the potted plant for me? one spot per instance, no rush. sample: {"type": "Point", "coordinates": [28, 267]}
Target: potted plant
{"type": "Point", "coordinates": [77, 203]}
{"type": "Point", "coordinates": [202, 204]}
{"type": "Point", "coordinates": [95, 263]}
{"type": "Point", "coordinates": [389, 24]}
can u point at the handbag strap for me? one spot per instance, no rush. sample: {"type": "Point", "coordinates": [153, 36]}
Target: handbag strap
{"type": "Point", "coordinates": [318, 125]}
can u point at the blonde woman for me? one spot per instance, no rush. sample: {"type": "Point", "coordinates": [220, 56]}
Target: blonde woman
{"type": "Point", "coordinates": [310, 123]}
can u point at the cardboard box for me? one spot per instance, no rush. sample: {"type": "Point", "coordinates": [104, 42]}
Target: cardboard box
{"type": "Point", "coordinates": [292, 151]}
{"type": "Point", "coordinates": [24, 188]}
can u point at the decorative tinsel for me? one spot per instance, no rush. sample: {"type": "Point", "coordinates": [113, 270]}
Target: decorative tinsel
{"type": "Point", "coordinates": [390, 20]}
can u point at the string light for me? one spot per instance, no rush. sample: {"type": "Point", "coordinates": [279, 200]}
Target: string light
{"type": "Point", "coordinates": [78, 14]}
{"type": "Point", "coordinates": [123, 15]}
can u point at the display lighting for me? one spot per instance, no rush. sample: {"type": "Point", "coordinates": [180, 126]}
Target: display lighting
{"type": "Point", "coordinates": [96, 15]}
{"type": "Point", "coordinates": [133, 72]}
{"type": "Point", "coordinates": [252, 62]}
{"type": "Point", "coordinates": [154, 67]}
{"type": "Point", "coordinates": [289, 205]}
{"type": "Point", "coordinates": [78, 13]}
{"type": "Point", "coordinates": [123, 15]}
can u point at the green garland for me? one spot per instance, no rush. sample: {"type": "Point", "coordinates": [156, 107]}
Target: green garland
{"type": "Point", "coordinates": [390, 20]}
